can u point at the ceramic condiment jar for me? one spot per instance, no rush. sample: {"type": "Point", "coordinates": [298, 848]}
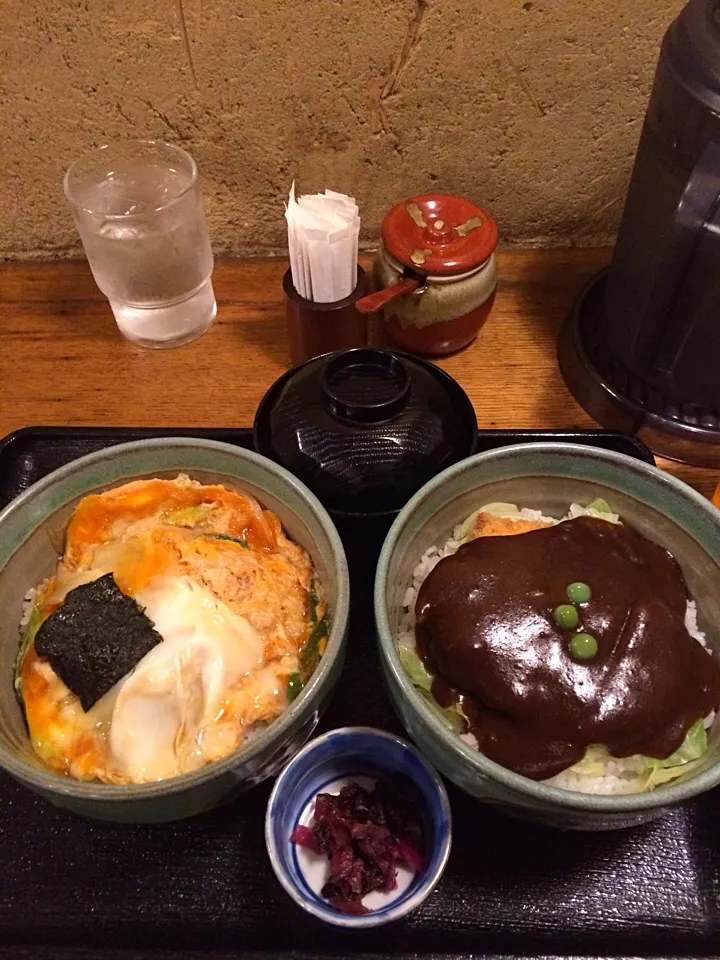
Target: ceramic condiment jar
{"type": "Point", "coordinates": [437, 254]}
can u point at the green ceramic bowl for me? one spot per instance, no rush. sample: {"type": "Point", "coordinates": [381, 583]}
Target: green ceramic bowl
{"type": "Point", "coordinates": [547, 476]}
{"type": "Point", "coordinates": [35, 521]}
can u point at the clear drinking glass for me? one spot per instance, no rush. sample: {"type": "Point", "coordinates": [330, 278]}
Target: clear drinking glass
{"type": "Point", "coordinates": [138, 209]}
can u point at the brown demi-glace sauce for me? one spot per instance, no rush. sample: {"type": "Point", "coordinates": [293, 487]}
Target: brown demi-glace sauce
{"type": "Point", "coordinates": [485, 629]}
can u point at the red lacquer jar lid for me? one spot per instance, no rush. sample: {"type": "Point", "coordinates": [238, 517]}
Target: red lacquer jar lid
{"type": "Point", "coordinates": [439, 233]}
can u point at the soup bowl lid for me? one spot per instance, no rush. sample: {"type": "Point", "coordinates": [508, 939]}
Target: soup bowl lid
{"type": "Point", "coordinates": [365, 428]}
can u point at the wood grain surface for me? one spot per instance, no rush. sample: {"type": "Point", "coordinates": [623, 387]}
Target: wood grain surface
{"type": "Point", "coordinates": [63, 362]}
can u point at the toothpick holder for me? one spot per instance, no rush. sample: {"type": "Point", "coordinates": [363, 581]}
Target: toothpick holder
{"type": "Point", "coordinates": [317, 328]}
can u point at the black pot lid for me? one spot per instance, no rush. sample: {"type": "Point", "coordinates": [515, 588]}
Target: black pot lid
{"type": "Point", "coordinates": [365, 428]}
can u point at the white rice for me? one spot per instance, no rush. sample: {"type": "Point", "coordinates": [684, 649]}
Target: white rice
{"type": "Point", "coordinates": [620, 775]}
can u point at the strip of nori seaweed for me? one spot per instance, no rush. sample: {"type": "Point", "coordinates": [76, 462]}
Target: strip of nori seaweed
{"type": "Point", "coordinates": [95, 638]}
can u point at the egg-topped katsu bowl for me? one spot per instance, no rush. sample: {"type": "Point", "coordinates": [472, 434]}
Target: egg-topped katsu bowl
{"type": "Point", "coordinates": [548, 621]}
{"type": "Point", "coordinates": [174, 619]}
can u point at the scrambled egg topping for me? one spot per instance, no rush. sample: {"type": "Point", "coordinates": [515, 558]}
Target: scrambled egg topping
{"type": "Point", "coordinates": [230, 595]}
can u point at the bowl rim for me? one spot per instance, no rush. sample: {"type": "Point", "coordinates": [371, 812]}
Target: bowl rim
{"type": "Point", "coordinates": [50, 782]}
{"type": "Point", "coordinates": [404, 907]}
{"type": "Point", "coordinates": [540, 794]}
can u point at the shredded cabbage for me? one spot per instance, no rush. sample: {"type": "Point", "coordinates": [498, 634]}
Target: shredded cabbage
{"type": "Point", "coordinates": [415, 669]}
{"type": "Point", "coordinates": [692, 748]}
{"type": "Point", "coordinates": [593, 763]}
{"type": "Point", "coordinates": [685, 759]}
{"type": "Point", "coordinates": [599, 506]}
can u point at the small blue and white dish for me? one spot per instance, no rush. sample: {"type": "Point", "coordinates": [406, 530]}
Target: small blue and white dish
{"type": "Point", "coordinates": [325, 765]}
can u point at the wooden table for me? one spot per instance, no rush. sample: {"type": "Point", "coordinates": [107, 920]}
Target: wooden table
{"type": "Point", "coordinates": [62, 361]}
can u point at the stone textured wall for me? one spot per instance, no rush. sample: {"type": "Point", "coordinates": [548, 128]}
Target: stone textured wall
{"type": "Point", "coordinates": [533, 108]}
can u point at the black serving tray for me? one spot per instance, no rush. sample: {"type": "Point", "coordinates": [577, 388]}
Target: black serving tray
{"type": "Point", "coordinates": [74, 888]}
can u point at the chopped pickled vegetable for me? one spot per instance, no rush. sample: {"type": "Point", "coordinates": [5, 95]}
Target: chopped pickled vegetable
{"type": "Point", "coordinates": [365, 835]}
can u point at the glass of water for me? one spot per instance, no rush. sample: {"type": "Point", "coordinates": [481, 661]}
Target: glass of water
{"type": "Point", "coordinates": [138, 209]}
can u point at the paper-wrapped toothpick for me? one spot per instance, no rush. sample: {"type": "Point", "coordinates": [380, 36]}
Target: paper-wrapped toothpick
{"type": "Point", "coordinates": [323, 230]}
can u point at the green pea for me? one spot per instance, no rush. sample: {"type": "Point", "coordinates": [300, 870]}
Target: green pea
{"type": "Point", "coordinates": [578, 592]}
{"type": "Point", "coordinates": [583, 646]}
{"type": "Point", "coordinates": [566, 616]}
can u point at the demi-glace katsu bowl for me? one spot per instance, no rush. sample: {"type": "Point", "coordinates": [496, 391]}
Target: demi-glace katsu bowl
{"type": "Point", "coordinates": [548, 622]}
{"type": "Point", "coordinates": [174, 618]}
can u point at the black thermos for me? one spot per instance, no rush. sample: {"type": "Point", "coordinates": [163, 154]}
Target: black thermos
{"type": "Point", "coordinates": [661, 319]}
